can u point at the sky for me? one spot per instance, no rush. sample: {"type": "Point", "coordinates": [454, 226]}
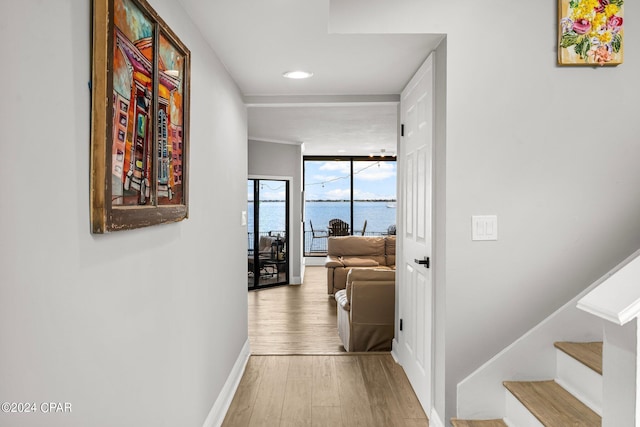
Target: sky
{"type": "Point", "coordinates": [329, 180]}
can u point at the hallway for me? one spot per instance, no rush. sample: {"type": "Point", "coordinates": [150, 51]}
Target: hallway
{"type": "Point", "coordinates": [300, 375]}
{"type": "Point", "coordinates": [294, 319]}
{"type": "Point", "coordinates": [341, 390]}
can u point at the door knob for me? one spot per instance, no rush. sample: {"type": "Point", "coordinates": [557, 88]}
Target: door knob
{"type": "Point", "coordinates": [424, 261]}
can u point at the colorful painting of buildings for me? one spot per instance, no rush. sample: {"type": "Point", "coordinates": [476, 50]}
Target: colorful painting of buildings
{"type": "Point", "coordinates": [133, 132]}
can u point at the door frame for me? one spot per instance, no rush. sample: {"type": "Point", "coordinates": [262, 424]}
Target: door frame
{"type": "Point", "coordinates": [435, 408]}
{"type": "Point", "coordinates": [289, 224]}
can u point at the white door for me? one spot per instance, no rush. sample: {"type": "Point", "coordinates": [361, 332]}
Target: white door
{"type": "Point", "coordinates": [415, 290]}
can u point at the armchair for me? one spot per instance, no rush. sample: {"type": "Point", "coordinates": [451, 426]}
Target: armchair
{"type": "Point", "coordinates": [366, 310]}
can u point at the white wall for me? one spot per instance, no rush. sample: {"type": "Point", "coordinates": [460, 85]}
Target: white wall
{"type": "Point", "coordinates": [552, 151]}
{"type": "Point", "coordinates": [135, 328]}
{"type": "Point", "coordinates": [267, 159]}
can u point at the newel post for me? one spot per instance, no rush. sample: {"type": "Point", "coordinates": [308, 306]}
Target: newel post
{"type": "Point", "coordinates": [620, 375]}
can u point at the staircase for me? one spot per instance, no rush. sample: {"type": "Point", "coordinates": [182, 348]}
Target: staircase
{"type": "Point", "coordinates": [573, 398]}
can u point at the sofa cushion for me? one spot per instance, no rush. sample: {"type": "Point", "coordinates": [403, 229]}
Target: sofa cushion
{"type": "Point", "coordinates": [390, 245]}
{"type": "Point", "coordinates": [369, 274]}
{"type": "Point", "coordinates": [333, 261]}
{"type": "Point", "coordinates": [390, 250]}
{"type": "Point", "coordinates": [363, 275]}
{"type": "Point", "coordinates": [341, 298]}
{"type": "Point", "coordinates": [354, 252]}
{"type": "Point", "coordinates": [350, 261]}
{"type": "Point", "coordinates": [356, 246]}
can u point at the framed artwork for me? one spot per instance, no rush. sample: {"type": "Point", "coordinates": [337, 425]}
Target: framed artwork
{"type": "Point", "coordinates": [590, 32]}
{"type": "Point", "coordinates": [139, 118]}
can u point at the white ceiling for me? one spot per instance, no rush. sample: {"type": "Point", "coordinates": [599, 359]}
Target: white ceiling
{"type": "Point", "coordinates": [328, 130]}
{"type": "Point", "coordinates": [258, 40]}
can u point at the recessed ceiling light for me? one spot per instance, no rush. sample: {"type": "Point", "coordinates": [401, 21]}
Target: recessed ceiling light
{"type": "Point", "coordinates": [297, 74]}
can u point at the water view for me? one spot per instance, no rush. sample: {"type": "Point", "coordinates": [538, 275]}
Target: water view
{"type": "Point", "coordinates": [378, 214]}
{"type": "Point", "coordinates": [329, 187]}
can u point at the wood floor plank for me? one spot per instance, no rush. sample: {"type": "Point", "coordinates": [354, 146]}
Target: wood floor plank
{"type": "Point", "coordinates": [301, 367]}
{"type": "Point", "coordinates": [588, 353]}
{"type": "Point", "coordinates": [294, 319]}
{"type": "Point", "coordinates": [416, 422]}
{"type": "Point", "coordinates": [325, 383]}
{"type": "Point", "coordinates": [355, 405]}
{"type": "Point", "coordinates": [239, 412]}
{"type": "Point", "coordinates": [478, 423]}
{"type": "Point", "coordinates": [326, 416]}
{"type": "Point", "coordinates": [300, 375]}
{"type": "Point", "coordinates": [400, 386]}
{"type": "Point", "coordinates": [384, 405]}
{"type": "Point", "coordinates": [296, 408]}
{"type": "Point", "coordinates": [352, 390]}
{"type": "Point", "coordinates": [267, 411]}
{"type": "Point", "coordinates": [552, 405]}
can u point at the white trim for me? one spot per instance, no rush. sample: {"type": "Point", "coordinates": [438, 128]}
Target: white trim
{"type": "Point", "coordinates": [517, 414]}
{"type": "Point", "coordinates": [599, 312]}
{"type": "Point", "coordinates": [223, 402]}
{"type": "Point", "coordinates": [532, 352]}
{"type": "Point", "coordinates": [275, 141]}
{"type": "Point", "coordinates": [617, 297]}
{"type": "Point", "coordinates": [394, 351]}
{"type": "Point", "coordinates": [434, 419]}
{"type": "Point", "coordinates": [271, 177]}
{"type": "Point", "coordinates": [266, 101]}
{"type": "Point", "coordinates": [580, 380]}
{"type": "Point", "coordinates": [314, 261]}
{"type": "Point", "coordinates": [553, 315]}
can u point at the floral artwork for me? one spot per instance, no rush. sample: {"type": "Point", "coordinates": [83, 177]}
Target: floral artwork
{"type": "Point", "coordinates": [590, 32]}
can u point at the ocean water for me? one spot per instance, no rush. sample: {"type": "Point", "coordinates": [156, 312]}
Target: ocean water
{"type": "Point", "coordinates": [379, 215]}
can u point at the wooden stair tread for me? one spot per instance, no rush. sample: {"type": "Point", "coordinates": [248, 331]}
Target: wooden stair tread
{"type": "Point", "coordinates": [588, 353]}
{"type": "Point", "coordinates": [552, 405]}
{"type": "Point", "coordinates": [477, 423]}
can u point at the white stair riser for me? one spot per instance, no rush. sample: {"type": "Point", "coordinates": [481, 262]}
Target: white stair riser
{"type": "Point", "coordinates": [579, 380]}
{"type": "Point", "coordinates": [516, 415]}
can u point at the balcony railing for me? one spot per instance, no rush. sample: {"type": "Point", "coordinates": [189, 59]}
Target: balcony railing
{"type": "Point", "coordinates": [313, 246]}
{"type": "Point", "coordinates": [317, 246]}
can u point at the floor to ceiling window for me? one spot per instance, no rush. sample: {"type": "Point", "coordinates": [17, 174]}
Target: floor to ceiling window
{"type": "Point", "coordinates": [357, 193]}
{"type": "Point", "coordinates": [268, 219]}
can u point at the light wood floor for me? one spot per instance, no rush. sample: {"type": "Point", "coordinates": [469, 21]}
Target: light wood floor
{"type": "Point", "coordinates": [294, 319]}
{"type": "Point", "coordinates": [300, 375]}
{"type": "Point", "coordinates": [336, 390]}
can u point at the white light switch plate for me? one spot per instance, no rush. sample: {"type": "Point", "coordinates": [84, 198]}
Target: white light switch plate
{"type": "Point", "coordinates": [244, 218]}
{"type": "Point", "coordinates": [484, 227]}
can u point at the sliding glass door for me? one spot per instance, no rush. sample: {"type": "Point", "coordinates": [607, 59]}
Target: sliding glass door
{"type": "Point", "coordinates": [268, 219]}
{"type": "Point", "coordinates": [357, 193]}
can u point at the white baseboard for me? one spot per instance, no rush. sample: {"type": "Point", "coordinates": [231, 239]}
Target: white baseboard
{"type": "Point", "coordinates": [295, 280]}
{"type": "Point", "coordinates": [222, 403]}
{"type": "Point", "coordinates": [394, 350]}
{"type": "Point", "coordinates": [314, 261]}
{"type": "Point", "coordinates": [435, 420]}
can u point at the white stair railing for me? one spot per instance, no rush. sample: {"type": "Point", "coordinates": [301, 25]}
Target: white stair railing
{"type": "Point", "coordinates": [617, 301]}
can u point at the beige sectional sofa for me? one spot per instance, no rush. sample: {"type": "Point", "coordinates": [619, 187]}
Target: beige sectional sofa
{"type": "Point", "coordinates": [357, 252]}
{"type": "Point", "coordinates": [366, 310]}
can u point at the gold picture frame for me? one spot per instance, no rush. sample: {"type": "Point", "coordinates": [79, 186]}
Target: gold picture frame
{"type": "Point", "coordinates": [139, 118]}
{"type": "Point", "coordinates": [590, 32]}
